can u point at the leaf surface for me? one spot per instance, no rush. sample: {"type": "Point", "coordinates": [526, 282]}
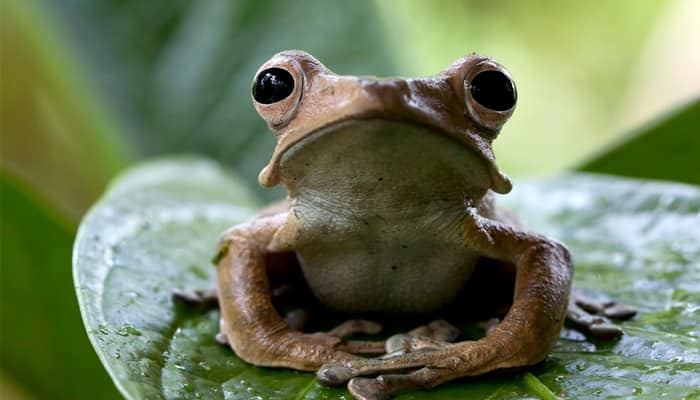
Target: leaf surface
{"type": "Point", "coordinates": [637, 241]}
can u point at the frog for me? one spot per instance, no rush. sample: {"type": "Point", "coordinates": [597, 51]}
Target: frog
{"type": "Point", "coordinates": [391, 187]}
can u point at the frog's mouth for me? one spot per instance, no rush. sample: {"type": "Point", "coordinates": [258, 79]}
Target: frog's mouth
{"type": "Point", "coordinates": [271, 175]}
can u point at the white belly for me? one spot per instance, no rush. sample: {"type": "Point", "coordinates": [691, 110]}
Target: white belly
{"type": "Point", "coordinates": [373, 274]}
{"type": "Point", "coordinates": [378, 210]}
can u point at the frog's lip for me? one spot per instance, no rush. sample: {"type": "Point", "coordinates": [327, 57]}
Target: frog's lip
{"type": "Point", "coordinates": [270, 175]}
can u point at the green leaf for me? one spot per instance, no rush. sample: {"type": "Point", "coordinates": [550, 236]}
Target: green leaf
{"type": "Point", "coordinates": [42, 345]}
{"type": "Point", "coordinates": [665, 149]}
{"type": "Point", "coordinates": [639, 242]}
{"type": "Point", "coordinates": [155, 230]}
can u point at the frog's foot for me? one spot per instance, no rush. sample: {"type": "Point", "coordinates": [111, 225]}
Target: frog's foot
{"type": "Point", "coordinates": [605, 307]}
{"type": "Point", "coordinates": [592, 316]}
{"type": "Point", "coordinates": [199, 297]}
{"type": "Point", "coordinates": [355, 327]}
{"type": "Point", "coordinates": [433, 336]}
{"type": "Point", "coordinates": [383, 387]}
{"type": "Point", "coordinates": [524, 337]}
{"type": "Point", "coordinates": [424, 368]}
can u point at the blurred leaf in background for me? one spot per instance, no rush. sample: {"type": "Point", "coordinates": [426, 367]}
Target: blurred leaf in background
{"type": "Point", "coordinates": [58, 149]}
{"type": "Point", "coordinates": [585, 72]}
{"type": "Point", "coordinates": [179, 72]}
{"type": "Point", "coordinates": [668, 149]}
{"type": "Point", "coordinates": [55, 135]}
{"type": "Point", "coordinates": [89, 87]}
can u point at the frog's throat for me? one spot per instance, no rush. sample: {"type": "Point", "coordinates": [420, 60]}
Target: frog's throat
{"type": "Point", "coordinates": [270, 175]}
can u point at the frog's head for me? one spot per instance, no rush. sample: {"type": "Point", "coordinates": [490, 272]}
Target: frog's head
{"type": "Point", "coordinates": [469, 102]}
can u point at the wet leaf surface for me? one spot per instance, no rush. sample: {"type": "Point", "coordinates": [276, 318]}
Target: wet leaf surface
{"type": "Point", "coordinates": [635, 241]}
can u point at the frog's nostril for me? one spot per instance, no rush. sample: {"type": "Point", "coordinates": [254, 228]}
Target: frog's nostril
{"type": "Point", "coordinates": [272, 85]}
{"type": "Point", "coordinates": [494, 90]}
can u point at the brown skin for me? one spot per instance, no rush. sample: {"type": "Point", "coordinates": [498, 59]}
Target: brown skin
{"type": "Point", "coordinates": [390, 208]}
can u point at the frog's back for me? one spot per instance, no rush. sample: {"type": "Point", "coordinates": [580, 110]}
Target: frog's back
{"type": "Point", "coordinates": [382, 233]}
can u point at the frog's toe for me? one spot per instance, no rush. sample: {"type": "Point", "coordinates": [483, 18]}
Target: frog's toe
{"type": "Point", "coordinates": [593, 325]}
{"type": "Point", "coordinates": [592, 316]}
{"type": "Point", "coordinates": [403, 343]}
{"type": "Point", "coordinates": [390, 385]}
{"type": "Point", "coordinates": [367, 389]}
{"type": "Point", "coordinates": [334, 374]}
{"type": "Point", "coordinates": [604, 306]}
{"type": "Point", "coordinates": [605, 331]}
{"type": "Point", "coordinates": [396, 343]}
{"type": "Point", "coordinates": [440, 330]}
{"type": "Point", "coordinates": [354, 327]}
{"type": "Point", "coordinates": [620, 312]}
{"type": "Point", "coordinates": [433, 336]}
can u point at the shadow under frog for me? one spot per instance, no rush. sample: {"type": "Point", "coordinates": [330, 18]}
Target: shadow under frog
{"type": "Point", "coordinates": [390, 209]}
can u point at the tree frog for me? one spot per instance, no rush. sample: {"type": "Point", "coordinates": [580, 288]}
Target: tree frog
{"type": "Point", "coordinates": [390, 209]}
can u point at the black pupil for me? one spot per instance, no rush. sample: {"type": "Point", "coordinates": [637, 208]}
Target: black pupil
{"type": "Point", "coordinates": [494, 90]}
{"type": "Point", "coordinates": [272, 85]}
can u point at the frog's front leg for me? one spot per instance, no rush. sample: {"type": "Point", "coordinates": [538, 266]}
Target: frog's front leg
{"type": "Point", "coordinates": [251, 324]}
{"type": "Point", "coordinates": [524, 337]}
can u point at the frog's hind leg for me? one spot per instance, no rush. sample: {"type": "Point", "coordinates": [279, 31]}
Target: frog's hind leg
{"type": "Point", "coordinates": [592, 316]}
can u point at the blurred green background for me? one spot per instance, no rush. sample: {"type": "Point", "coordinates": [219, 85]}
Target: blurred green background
{"type": "Point", "coordinates": [89, 87]}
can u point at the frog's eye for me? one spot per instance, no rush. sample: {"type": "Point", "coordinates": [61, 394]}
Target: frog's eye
{"type": "Point", "coordinates": [277, 90]}
{"type": "Point", "coordinates": [490, 94]}
{"type": "Point", "coordinates": [272, 85]}
{"type": "Point", "coordinates": [493, 90]}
